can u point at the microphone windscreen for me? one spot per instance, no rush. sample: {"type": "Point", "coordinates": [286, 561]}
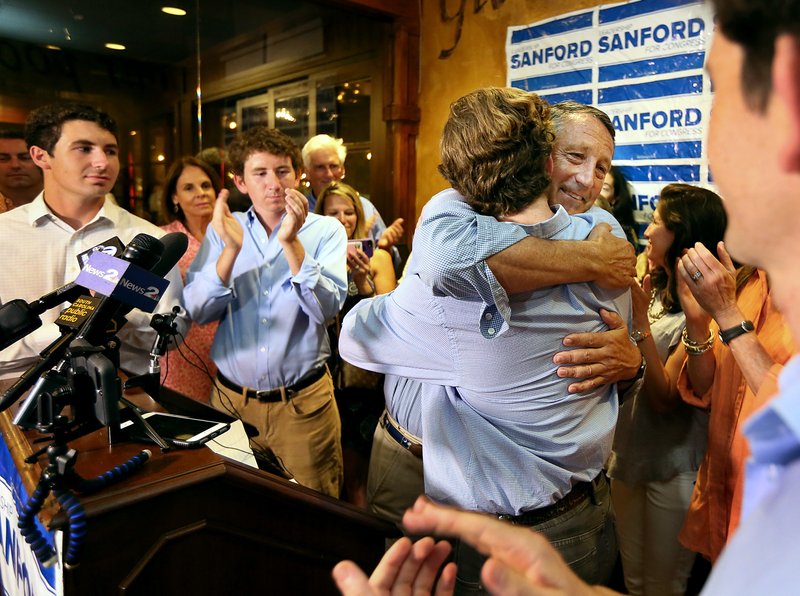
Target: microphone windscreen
{"type": "Point", "coordinates": [175, 245]}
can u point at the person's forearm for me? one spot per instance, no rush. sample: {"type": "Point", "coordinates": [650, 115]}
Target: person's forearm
{"type": "Point", "coordinates": [225, 263]}
{"type": "Point", "coordinates": [295, 253]}
{"type": "Point", "coordinates": [700, 367]}
{"type": "Point", "coordinates": [534, 263]}
{"type": "Point", "coordinates": [752, 359]}
{"type": "Point", "coordinates": [657, 385]}
{"type": "Point", "coordinates": [750, 355]}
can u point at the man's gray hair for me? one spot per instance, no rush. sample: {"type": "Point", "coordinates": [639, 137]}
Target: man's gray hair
{"type": "Point", "coordinates": [562, 110]}
{"type": "Point", "coordinates": [318, 142]}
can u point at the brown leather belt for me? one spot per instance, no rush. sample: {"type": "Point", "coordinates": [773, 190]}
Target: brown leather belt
{"type": "Point", "coordinates": [274, 395]}
{"type": "Point", "coordinates": [579, 494]}
{"type": "Point", "coordinates": [398, 435]}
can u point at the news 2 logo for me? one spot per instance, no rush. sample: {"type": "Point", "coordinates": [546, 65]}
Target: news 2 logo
{"type": "Point", "coordinates": [122, 281]}
{"type": "Point", "coordinates": [112, 247]}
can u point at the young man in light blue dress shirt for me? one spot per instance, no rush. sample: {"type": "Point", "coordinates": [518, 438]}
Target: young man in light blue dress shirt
{"type": "Point", "coordinates": [505, 436]}
{"type": "Point", "coordinates": [273, 276]}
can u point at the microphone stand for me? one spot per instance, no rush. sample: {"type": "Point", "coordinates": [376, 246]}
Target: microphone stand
{"type": "Point", "coordinates": [150, 382]}
{"type": "Point", "coordinates": [166, 329]}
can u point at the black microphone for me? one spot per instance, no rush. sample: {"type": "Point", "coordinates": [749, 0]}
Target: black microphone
{"type": "Point", "coordinates": [174, 247]}
{"type": "Point", "coordinates": [19, 318]}
{"type": "Point", "coordinates": [146, 252]}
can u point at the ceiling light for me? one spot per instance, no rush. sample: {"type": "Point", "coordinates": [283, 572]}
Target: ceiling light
{"type": "Point", "coordinates": [52, 47]}
{"type": "Point", "coordinates": [176, 12]}
{"type": "Point", "coordinates": [115, 46]}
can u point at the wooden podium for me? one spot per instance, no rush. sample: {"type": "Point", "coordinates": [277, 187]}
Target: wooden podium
{"type": "Point", "coordinates": [192, 522]}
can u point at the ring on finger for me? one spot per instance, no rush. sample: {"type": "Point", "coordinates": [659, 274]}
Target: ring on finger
{"type": "Point", "coordinates": [697, 276]}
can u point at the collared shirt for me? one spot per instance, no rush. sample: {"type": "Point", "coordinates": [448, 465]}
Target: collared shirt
{"type": "Point", "coordinates": [504, 436]}
{"type": "Point", "coordinates": [461, 271]}
{"type": "Point", "coordinates": [43, 255]}
{"type": "Point", "coordinates": [761, 558]}
{"type": "Point", "coordinates": [272, 323]}
{"type": "Point", "coordinates": [716, 504]}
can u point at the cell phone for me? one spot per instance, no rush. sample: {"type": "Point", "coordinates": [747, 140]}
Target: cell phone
{"type": "Point", "coordinates": [365, 244]}
{"type": "Point", "coordinates": [190, 432]}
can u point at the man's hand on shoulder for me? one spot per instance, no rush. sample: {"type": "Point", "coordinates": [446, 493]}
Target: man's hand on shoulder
{"type": "Point", "coordinates": [615, 259]}
{"type": "Point", "coordinates": [599, 358]}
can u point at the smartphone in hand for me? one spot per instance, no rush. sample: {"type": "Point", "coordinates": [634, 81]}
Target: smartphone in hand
{"type": "Point", "coordinates": [365, 244]}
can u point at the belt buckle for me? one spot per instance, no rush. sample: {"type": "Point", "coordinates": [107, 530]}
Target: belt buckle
{"type": "Point", "coordinates": [264, 395]}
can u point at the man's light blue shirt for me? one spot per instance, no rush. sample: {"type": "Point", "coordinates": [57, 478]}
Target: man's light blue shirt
{"type": "Point", "coordinates": [471, 238]}
{"type": "Point", "coordinates": [762, 556]}
{"type": "Point", "coordinates": [504, 435]}
{"type": "Point", "coordinates": [272, 327]}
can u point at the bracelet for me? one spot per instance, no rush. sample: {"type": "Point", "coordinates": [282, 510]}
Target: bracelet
{"type": "Point", "coordinates": [694, 348]}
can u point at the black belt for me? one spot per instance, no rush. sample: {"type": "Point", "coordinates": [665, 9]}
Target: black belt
{"type": "Point", "coordinates": [397, 435]}
{"type": "Point", "coordinates": [273, 395]}
{"type": "Point", "coordinates": [579, 494]}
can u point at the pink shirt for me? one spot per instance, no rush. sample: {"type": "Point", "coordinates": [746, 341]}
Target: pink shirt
{"type": "Point", "coordinates": [176, 372]}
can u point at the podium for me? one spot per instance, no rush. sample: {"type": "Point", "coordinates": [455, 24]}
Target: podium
{"type": "Point", "coordinates": [193, 522]}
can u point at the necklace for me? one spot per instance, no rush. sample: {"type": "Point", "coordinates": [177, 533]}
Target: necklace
{"type": "Point", "coordinates": [654, 316]}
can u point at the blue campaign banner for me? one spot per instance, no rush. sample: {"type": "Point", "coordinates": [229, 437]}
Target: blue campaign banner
{"type": "Point", "coordinates": [20, 571]}
{"type": "Point", "coordinates": [642, 63]}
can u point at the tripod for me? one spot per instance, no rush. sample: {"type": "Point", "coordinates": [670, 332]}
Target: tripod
{"type": "Point", "coordinates": [61, 478]}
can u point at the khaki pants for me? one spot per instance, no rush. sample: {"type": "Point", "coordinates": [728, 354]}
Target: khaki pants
{"type": "Point", "coordinates": [304, 431]}
{"type": "Point", "coordinates": [395, 477]}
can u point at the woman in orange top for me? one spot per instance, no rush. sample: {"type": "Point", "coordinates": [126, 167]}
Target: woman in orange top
{"type": "Point", "coordinates": [732, 380]}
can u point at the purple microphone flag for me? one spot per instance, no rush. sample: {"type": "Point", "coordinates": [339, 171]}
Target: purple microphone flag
{"type": "Point", "coordinates": [123, 281]}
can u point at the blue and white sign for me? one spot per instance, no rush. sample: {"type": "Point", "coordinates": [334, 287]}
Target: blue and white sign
{"type": "Point", "coordinates": [642, 63]}
{"type": "Point", "coordinates": [20, 571]}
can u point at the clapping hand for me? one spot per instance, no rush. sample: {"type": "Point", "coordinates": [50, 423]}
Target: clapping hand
{"type": "Point", "coordinates": [392, 235]}
{"type": "Point", "coordinates": [710, 281]}
{"type": "Point", "coordinates": [225, 224]}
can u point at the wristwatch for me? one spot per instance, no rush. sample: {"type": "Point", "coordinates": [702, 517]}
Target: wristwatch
{"type": "Point", "coordinates": [726, 335]}
{"type": "Point", "coordinates": [638, 335]}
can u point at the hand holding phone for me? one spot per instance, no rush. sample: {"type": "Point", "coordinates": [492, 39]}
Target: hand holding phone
{"type": "Point", "coordinates": [365, 244]}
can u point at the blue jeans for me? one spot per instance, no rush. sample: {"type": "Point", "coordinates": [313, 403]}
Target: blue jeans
{"type": "Point", "coordinates": [584, 536]}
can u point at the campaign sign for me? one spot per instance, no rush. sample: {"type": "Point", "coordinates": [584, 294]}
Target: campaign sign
{"type": "Point", "coordinates": [641, 62]}
{"type": "Point", "coordinates": [123, 281]}
{"type": "Point", "coordinates": [20, 570]}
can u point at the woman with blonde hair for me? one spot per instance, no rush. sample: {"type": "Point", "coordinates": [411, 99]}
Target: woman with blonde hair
{"type": "Point", "coordinates": [359, 393]}
{"type": "Point", "coordinates": [368, 275]}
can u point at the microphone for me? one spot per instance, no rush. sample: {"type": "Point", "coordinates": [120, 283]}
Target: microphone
{"type": "Point", "coordinates": [145, 251]}
{"type": "Point", "coordinates": [171, 248]}
{"type": "Point", "coordinates": [19, 318]}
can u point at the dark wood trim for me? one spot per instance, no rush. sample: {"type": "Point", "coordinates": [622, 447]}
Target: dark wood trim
{"type": "Point", "coordinates": [402, 116]}
{"type": "Point", "coordinates": [405, 9]}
